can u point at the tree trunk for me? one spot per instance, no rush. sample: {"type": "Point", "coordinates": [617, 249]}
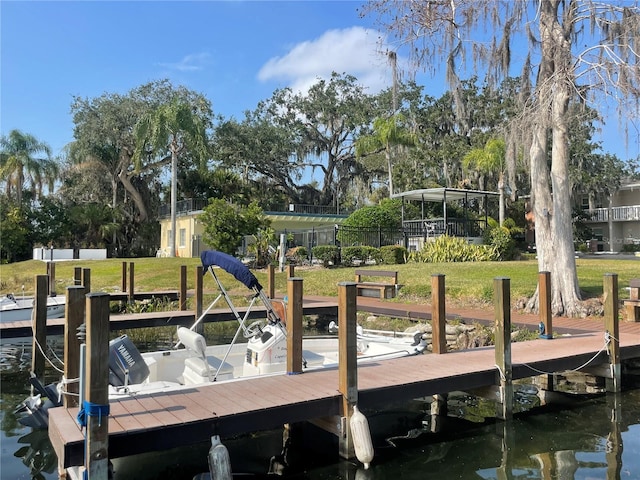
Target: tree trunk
{"type": "Point", "coordinates": [123, 176]}
{"type": "Point", "coordinates": [174, 202]}
{"type": "Point", "coordinates": [553, 224]}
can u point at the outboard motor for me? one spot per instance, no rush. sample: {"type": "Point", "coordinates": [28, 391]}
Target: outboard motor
{"type": "Point", "coordinates": [126, 365]}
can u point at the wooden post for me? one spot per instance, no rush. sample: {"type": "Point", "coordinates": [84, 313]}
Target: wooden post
{"type": "Point", "coordinates": [124, 277]}
{"type": "Point", "coordinates": [291, 271]}
{"type": "Point", "coordinates": [271, 281]}
{"type": "Point", "coordinates": [74, 317]}
{"type": "Point", "coordinates": [544, 305]}
{"type": "Point", "coordinates": [86, 280]}
{"type": "Point", "coordinates": [198, 299]}
{"type": "Point", "coordinates": [612, 327]}
{"type": "Point", "coordinates": [183, 288]}
{"type": "Point", "coordinates": [97, 387]}
{"type": "Point", "coordinates": [438, 315]}
{"type": "Point", "coordinates": [294, 326]}
{"type": "Point", "coordinates": [39, 319]}
{"type": "Point", "coordinates": [347, 363]}
{"type": "Point", "coordinates": [132, 276]}
{"type": "Point", "coordinates": [502, 301]}
{"type": "Point", "coordinates": [77, 275]}
{"type": "Point", "coordinates": [52, 278]}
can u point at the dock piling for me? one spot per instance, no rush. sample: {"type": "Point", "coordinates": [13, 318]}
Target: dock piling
{"type": "Point", "coordinates": [183, 288]}
{"type": "Point", "coordinates": [294, 326]}
{"type": "Point", "coordinates": [96, 404]}
{"type": "Point", "coordinates": [74, 317]}
{"type": "Point", "coordinates": [502, 301]}
{"type": "Point", "coordinates": [39, 320]}
{"type": "Point", "coordinates": [438, 314]}
{"type": "Point", "coordinates": [347, 365]}
{"type": "Point", "coordinates": [544, 305]}
{"type": "Point", "coordinates": [612, 327]}
{"type": "Point", "coordinates": [271, 281]}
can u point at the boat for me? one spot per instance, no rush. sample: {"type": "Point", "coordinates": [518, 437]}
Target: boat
{"type": "Point", "coordinates": [257, 349]}
{"type": "Point", "coordinates": [15, 309]}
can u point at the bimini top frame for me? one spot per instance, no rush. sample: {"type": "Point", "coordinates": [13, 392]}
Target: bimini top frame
{"type": "Point", "coordinates": [230, 264]}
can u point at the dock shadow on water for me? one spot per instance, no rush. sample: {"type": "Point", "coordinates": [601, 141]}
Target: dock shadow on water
{"type": "Point", "coordinates": [580, 437]}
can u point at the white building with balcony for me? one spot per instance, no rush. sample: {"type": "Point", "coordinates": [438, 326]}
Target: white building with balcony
{"type": "Point", "coordinates": [617, 220]}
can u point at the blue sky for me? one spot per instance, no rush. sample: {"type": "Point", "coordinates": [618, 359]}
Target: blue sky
{"type": "Point", "coordinates": [234, 52]}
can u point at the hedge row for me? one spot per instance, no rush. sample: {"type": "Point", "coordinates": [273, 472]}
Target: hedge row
{"type": "Point", "coordinates": [349, 256]}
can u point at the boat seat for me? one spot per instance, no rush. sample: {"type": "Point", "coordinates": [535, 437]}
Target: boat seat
{"type": "Point", "coordinates": [201, 368]}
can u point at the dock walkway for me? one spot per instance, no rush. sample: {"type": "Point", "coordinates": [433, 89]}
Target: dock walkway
{"type": "Point", "coordinates": [161, 421]}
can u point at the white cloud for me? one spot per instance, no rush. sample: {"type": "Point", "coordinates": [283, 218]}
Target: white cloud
{"type": "Point", "coordinates": [190, 63]}
{"type": "Point", "coordinates": [355, 51]}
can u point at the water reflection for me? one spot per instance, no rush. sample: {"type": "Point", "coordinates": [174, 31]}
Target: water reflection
{"type": "Point", "coordinates": [550, 443]}
{"type": "Point", "coordinates": [37, 453]}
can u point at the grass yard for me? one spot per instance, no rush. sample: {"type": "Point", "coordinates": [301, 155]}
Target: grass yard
{"type": "Point", "coordinates": [466, 283]}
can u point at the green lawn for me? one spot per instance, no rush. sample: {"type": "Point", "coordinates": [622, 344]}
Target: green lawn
{"type": "Point", "coordinates": [465, 282]}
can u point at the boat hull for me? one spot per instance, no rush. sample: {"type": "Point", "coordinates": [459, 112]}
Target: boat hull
{"type": "Point", "coordinates": [19, 309]}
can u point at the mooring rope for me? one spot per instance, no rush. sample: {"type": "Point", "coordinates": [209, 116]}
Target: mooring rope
{"type": "Point", "coordinates": [45, 355]}
{"type": "Point", "coordinates": [605, 347]}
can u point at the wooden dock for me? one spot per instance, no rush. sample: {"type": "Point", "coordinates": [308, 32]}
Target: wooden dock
{"type": "Point", "coordinates": [157, 422]}
{"type": "Point", "coordinates": [55, 326]}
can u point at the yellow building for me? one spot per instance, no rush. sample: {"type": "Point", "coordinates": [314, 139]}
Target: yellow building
{"type": "Point", "coordinates": [310, 225]}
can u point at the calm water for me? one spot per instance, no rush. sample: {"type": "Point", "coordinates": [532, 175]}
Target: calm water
{"type": "Point", "coordinates": [596, 438]}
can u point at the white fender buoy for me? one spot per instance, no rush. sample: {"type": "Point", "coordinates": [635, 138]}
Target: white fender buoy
{"type": "Point", "coordinates": [219, 461]}
{"type": "Point", "coordinates": [361, 437]}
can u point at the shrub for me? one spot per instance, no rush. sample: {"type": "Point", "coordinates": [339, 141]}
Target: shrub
{"type": "Point", "coordinates": [362, 253]}
{"type": "Point", "coordinates": [630, 248]}
{"type": "Point", "coordinates": [328, 254]}
{"type": "Point", "coordinates": [297, 255]}
{"type": "Point", "coordinates": [453, 249]}
{"type": "Point", "coordinates": [393, 254]}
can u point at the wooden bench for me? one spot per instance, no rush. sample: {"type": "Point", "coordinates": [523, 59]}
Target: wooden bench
{"type": "Point", "coordinates": [632, 306]}
{"type": "Point", "coordinates": [377, 289]}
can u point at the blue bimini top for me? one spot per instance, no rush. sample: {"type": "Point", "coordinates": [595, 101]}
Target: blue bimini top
{"type": "Point", "coordinates": [231, 265]}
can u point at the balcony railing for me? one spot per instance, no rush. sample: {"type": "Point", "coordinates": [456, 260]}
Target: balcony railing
{"type": "Point", "coordinates": [618, 214]}
{"type": "Point", "coordinates": [184, 207]}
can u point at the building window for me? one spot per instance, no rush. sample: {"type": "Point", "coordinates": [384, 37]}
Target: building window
{"type": "Point", "coordinates": [168, 237]}
{"type": "Point", "coordinates": [183, 238]}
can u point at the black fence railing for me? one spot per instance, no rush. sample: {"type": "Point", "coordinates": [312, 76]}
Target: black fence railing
{"type": "Point", "coordinates": [370, 236]}
{"type": "Point", "coordinates": [454, 227]}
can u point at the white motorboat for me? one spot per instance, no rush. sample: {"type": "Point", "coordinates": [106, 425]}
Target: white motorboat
{"type": "Point", "coordinates": [263, 351]}
{"type": "Point", "coordinates": [14, 309]}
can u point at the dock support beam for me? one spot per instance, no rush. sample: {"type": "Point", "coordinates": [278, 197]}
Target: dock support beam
{"type": "Point", "coordinates": [97, 387]}
{"type": "Point", "coordinates": [291, 271]}
{"type": "Point", "coordinates": [347, 364]}
{"type": "Point", "coordinates": [294, 326]}
{"type": "Point", "coordinates": [438, 314]}
{"type": "Point", "coordinates": [502, 301]}
{"type": "Point", "coordinates": [612, 327]}
{"type": "Point", "coordinates": [74, 317]}
{"type": "Point", "coordinates": [124, 277]}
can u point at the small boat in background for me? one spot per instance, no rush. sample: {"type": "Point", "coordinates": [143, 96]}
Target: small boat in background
{"type": "Point", "coordinates": [14, 309]}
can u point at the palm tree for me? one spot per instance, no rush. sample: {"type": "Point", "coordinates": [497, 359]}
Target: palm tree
{"type": "Point", "coordinates": [387, 133]}
{"type": "Point", "coordinates": [489, 160]}
{"type": "Point", "coordinates": [19, 161]}
{"type": "Point", "coordinates": [174, 128]}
